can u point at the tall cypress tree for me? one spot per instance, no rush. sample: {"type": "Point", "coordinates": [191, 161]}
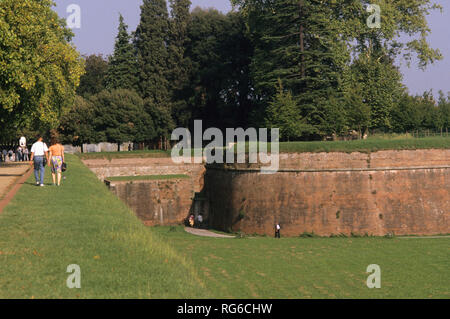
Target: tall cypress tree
{"type": "Point", "coordinates": [177, 63]}
{"type": "Point", "coordinates": [178, 26]}
{"type": "Point", "coordinates": [122, 72]}
{"type": "Point", "coordinates": [151, 40]}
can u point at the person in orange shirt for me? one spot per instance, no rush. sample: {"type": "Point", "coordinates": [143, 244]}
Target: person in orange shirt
{"type": "Point", "coordinates": [56, 155]}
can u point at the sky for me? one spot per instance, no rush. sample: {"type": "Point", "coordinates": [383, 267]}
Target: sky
{"type": "Point", "coordinates": [99, 22]}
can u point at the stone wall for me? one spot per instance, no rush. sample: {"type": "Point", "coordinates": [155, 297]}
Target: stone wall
{"type": "Point", "coordinates": [104, 168]}
{"type": "Point", "coordinates": [157, 202]}
{"type": "Point", "coordinates": [96, 148]}
{"type": "Point", "coordinates": [400, 192]}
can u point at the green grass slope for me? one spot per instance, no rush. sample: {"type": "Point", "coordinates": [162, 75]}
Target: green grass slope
{"type": "Point", "coordinates": [43, 230]}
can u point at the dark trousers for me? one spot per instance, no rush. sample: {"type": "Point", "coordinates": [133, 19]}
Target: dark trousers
{"type": "Point", "coordinates": [277, 234]}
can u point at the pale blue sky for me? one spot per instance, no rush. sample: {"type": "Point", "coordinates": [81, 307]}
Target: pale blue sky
{"type": "Point", "coordinates": [99, 21]}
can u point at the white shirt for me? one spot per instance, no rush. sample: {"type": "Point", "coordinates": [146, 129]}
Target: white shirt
{"type": "Point", "coordinates": [39, 149]}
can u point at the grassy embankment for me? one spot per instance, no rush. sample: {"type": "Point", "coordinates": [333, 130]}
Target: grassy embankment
{"type": "Point", "coordinates": [45, 229]}
{"type": "Point", "coordinates": [370, 145]}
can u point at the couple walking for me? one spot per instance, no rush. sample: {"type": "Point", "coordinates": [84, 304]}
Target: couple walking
{"type": "Point", "coordinates": [54, 156]}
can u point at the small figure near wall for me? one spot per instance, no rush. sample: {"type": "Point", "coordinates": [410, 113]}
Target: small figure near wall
{"type": "Point", "coordinates": [191, 220]}
{"type": "Point", "coordinates": [277, 230]}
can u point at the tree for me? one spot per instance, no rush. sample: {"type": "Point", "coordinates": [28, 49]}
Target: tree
{"type": "Point", "coordinates": [76, 126]}
{"type": "Point", "coordinates": [119, 116]}
{"type": "Point", "coordinates": [122, 70]}
{"type": "Point", "coordinates": [380, 86]}
{"type": "Point", "coordinates": [180, 18]}
{"type": "Point", "coordinates": [444, 111]}
{"type": "Point", "coordinates": [162, 121]}
{"type": "Point", "coordinates": [301, 43]}
{"type": "Point", "coordinates": [151, 38]}
{"type": "Point", "coordinates": [283, 113]}
{"type": "Point", "coordinates": [93, 81]}
{"type": "Point", "coordinates": [219, 90]}
{"type": "Point", "coordinates": [308, 44]}
{"type": "Point", "coordinates": [358, 112]}
{"type": "Point", "coordinates": [39, 69]}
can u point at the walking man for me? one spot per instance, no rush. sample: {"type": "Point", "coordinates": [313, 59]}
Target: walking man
{"type": "Point", "coordinates": [39, 153]}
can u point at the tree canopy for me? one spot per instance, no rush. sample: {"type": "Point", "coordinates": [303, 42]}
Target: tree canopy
{"type": "Point", "coordinates": [39, 69]}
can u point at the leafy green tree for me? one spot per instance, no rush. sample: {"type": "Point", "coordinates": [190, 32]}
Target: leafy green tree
{"type": "Point", "coordinates": [76, 125]}
{"type": "Point", "coordinates": [122, 70]}
{"type": "Point", "coordinates": [119, 116]}
{"type": "Point", "coordinates": [39, 69]}
{"type": "Point", "coordinates": [93, 81]}
{"type": "Point", "coordinates": [443, 111]}
{"type": "Point", "coordinates": [219, 89]}
{"type": "Point", "coordinates": [381, 87]}
{"type": "Point", "coordinates": [161, 119]}
{"type": "Point", "coordinates": [358, 113]}
{"type": "Point", "coordinates": [283, 113]}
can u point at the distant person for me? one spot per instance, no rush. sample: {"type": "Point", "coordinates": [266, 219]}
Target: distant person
{"type": "Point", "coordinates": [26, 154]}
{"type": "Point", "coordinates": [191, 221]}
{"type": "Point", "coordinates": [19, 154]}
{"type": "Point", "coordinates": [200, 220]}
{"type": "Point", "coordinates": [56, 155]}
{"type": "Point", "coordinates": [10, 155]}
{"type": "Point", "coordinates": [4, 154]}
{"type": "Point", "coordinates": [39, 154]}
{"type": "Point", "coordinates": [277, 230]}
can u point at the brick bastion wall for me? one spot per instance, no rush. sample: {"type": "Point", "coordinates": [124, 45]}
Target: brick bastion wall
{"type": "Point", "coordinates": [400, 192]}
{"type": "Point", "coordinates": [155, 202]}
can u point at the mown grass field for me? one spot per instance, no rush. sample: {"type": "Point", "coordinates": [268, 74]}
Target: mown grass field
{"type": "Point", "coordinates": [264, 267]}
{"type": "Point", "coordinates": [365, 146]}
{"type": "Point", "coordinates": [369, 145]}
{"type": "Point", "coordinates": [43, 230]}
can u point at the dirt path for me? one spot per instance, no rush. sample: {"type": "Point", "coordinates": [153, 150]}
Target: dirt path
{"type": "Point", "coordinates": [205, 233]}
{"type": "Point", "coordinates": [12, 177]}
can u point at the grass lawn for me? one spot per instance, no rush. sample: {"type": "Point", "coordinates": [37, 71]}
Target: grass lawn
{"type": "Point", "coordinates": [146, 177]}
{"type": "Point", "coordinates": [45, 229]}
{"type": "Point", "coordinates": [132, 154]}
{"type": "Point", "coordinates": [365, 146]}
{"type": "Point", "coordinates": [264, 267]}
{"type": "Point", "coordinates": [369, 145]}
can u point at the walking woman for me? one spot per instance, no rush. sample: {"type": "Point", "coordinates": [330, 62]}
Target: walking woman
{"type": "Point", "coordinates": [56, 155]}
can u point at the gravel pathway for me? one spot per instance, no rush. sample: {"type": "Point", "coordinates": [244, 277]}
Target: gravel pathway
{"type": "Point", "coordinates": [12, 176]}
{"type": "Point", "coordinates": [205, 233]}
